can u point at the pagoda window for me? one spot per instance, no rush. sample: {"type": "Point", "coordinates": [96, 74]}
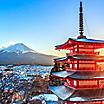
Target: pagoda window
{"type": "Point", "coordinates": [75, 49]}
{"type": "Point", "coordinates": [71, 65]}
{"type": "Point", "coordinates": [69, 60]}
{"type": "Point", "coordinates": [75, 83]}
{"type": "Point", "coordinates": [75, 65]}
{"type": "Point", "coordinates": [100, 66]}
{"type": "Point", "coordinates": [101, 83]}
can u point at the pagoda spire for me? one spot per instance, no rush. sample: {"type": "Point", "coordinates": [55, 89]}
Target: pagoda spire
{"type": "Point", "coordinates": [81, 22]}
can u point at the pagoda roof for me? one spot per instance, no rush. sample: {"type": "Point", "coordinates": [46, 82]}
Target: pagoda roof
{"type": "Point", "coordinates": [80, 74]}
{"type": "Point", "coordinates": [89, 40]}
{"type": "Point", "coordinates": [62, 92]}
{"type": "Point", "coordinates": [70, 42]}
{"type": "Point", "coordinates": [81, 57]}
{"type": "Point", "coordinates": [67, 93]}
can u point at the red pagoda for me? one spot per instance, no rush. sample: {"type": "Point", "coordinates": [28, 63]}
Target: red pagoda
{"type": "Point", "coordinates": [78, 78]}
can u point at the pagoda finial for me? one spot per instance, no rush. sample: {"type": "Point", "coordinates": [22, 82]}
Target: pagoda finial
{"type": "Point", "coordinates": [81, 22]}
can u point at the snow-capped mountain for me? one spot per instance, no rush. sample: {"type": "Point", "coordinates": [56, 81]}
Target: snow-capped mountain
{"type": "Point", "coordinates": [18, 48]}
{"type": "Point", "coordinates": [21, 54]}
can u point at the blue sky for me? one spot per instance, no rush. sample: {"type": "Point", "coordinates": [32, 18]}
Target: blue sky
{"type": "Point", "coordinates": [42, 24]}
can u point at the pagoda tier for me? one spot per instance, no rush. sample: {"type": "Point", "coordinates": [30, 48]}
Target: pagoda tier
{"type": "Point", "coordinates": [80, 62]}
{"type": "Point", "coordinates": [81, 79]}
{"type": "Point", "coordinates": [74, 96]}
{"type": "Point", "coordinates": [84, 42]}
{"type": "Point", "coordinates": [80, 57]}
{"type": "Point", "coordinates": [81, 46]}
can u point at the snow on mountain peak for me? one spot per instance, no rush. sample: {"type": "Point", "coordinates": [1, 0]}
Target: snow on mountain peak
{"type": "Point", "coordinates": [18, 48]}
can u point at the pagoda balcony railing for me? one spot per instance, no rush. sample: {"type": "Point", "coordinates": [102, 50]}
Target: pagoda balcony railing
{"type": "Point", "coordinates": [83, 53]}
{"type": "Point", "coordinates": [84, 68]}
{"type": "Point", "coordinates": [87, 83]}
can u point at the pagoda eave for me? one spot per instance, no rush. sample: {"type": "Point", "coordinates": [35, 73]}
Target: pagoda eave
{"type": "Point", "coordinates": [66, 45]}
{"type": "Point", "coordinates": [80, 75]}
{"type": "Point", "coordinates": [62, 74]}
{"type": "Point", "coordinates": [72, 42]}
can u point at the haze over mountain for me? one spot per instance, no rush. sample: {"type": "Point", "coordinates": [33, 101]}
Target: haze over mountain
{"type": "Point", "coordinates": [21, 54]}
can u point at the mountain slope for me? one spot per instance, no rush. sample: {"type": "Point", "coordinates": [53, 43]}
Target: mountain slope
{"type": "Point", "coordinates": [21, 54]}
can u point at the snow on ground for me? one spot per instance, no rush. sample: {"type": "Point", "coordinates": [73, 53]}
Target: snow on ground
{"type": "Point", "coordinates": [33, 70]}
{"type": "Point", "coordinates": [28, 70]}
{"type": "Point", "coordinates": [77, 99]}
{"type": "Point", "coordinates": [47, 98]}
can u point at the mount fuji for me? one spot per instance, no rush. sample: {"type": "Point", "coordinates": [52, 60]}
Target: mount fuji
{"type": "Point", "coordinates": [18, 48]}
{"type": "Point", "coordinates": [21, 54]}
